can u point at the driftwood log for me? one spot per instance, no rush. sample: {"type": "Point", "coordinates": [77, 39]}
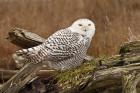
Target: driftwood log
{"type": "Point", "coordinates": [24, 38]}
{"type": "Point", "coordinates": [26, 74]}
{"type": "Point", "coordinates": [116, 74]}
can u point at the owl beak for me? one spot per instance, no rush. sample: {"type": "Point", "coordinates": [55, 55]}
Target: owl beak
{"type": "Point", "coordinates": [85, 29]}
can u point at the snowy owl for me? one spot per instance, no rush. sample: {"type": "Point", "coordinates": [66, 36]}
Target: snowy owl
{"type": "Point", "coordinates": [65, 49]}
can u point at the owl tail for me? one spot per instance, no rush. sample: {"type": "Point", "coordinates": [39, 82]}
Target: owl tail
{"type": "Point", "coordinates": [26, 74]}
{"type": "Point", "coordinates": [20, 57]}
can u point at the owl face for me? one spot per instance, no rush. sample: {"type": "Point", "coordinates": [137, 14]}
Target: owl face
{"type": "Point", "coordinates": [84, 27]}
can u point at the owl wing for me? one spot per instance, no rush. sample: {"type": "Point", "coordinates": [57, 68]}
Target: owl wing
{"type": "Point", "coordinates": [62, 45]}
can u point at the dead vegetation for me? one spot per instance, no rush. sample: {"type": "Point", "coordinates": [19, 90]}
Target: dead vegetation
{"type": "Point", "coordinates": [114, 20]}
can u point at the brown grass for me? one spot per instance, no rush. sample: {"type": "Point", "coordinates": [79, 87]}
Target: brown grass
{"type": "Point", "coordinates": [113, 18]}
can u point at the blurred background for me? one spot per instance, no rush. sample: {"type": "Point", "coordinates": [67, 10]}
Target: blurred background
{"type": "Point", "coordinates": [116, 21]}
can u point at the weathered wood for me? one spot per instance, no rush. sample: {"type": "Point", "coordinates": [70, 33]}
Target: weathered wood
{"type": "Point", "coordinates": [24, 38]}
{"type": "Point", "coordinates": [130, 81]}
{"type": "Point", "coordinates": [103, 79]}
{"type": "Point", "coordinates": [130, 47]}
{"type": "Point", "coordinates": [119, 60]}
{"type": "Point", "coordinates": [98, 81]}
{"type": "Point", "coordinates": [7, 74]}
{"type": "Point", "coordinates": [26, 74]}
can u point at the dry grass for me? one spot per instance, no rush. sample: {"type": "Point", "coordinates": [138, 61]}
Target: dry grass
{"type": "Point", "coordinates": [113, 19]}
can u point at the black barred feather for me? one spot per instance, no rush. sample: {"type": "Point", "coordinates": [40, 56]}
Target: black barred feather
{"type": "Point", "coordinates": [62, 50]}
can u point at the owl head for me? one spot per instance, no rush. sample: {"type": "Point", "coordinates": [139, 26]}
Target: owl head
{"type": "Point", "coordinates": [84, 27]}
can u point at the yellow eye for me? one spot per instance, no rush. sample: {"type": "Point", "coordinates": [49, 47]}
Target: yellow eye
{"type": "Point", "coordinates": [89, 24]}
{"type": "Point", "coordinates": [80, 24]}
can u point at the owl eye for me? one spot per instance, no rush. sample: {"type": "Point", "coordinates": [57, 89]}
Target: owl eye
{"type": "Point", "coordinates": [89, 24]}
{"type": "Point", "coordinates": [80, 24]}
